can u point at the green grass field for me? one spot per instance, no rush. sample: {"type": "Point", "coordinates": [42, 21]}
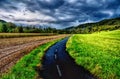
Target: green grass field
{"type": "Point", "coordinates": [98, 52]}
{"type": "Point", "coordinates": [25, 67]}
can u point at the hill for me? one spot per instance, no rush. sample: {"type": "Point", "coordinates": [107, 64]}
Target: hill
{"type": "Point", "coordinates": [107, 24]}
{"type": "Point", "coordinates": [2, 21]}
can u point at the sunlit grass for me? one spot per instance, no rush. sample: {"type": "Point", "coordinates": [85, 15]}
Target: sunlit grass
{"type": "Point", "coordinates": [98, 52]}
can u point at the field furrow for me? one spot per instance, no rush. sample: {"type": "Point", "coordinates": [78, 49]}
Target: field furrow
{"type": "Point", "coordinates": [10, 55]}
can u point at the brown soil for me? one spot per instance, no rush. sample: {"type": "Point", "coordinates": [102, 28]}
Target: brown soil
{"type": "Point", "coordinates": [10, 55]}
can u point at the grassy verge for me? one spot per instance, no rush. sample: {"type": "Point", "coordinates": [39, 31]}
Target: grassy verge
{"type": "Point", "coordinates": [98, 52]}
{"type": "Point", "coordinates": [25, 67]}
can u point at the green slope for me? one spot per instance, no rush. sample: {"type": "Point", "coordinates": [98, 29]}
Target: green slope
{"type": "Point", "coordinates": [107, 24]}
{"type": "Point", "coordinates": [98, 52]}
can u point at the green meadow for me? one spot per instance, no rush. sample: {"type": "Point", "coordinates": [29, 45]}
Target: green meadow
{"type": "Point", "coordinates": [98, 52]}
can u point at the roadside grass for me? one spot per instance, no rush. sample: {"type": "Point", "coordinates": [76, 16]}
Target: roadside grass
{"type": "Point", "coordinates": [25, 67]}
{"type": "Point", "coordinates": [98, 52]}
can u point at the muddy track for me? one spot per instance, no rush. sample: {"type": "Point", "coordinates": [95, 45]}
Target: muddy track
{"type": "Point", "coordinates": [10, 55]}
{"type": "Point", "coordinates": [57, 64]}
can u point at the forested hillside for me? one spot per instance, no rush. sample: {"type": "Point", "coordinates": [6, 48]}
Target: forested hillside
{"type": "Point", "coordinates": [107, 24]}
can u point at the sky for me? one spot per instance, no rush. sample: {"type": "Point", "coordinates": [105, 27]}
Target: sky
{"type": "Point", "coordinates": [58, 13]}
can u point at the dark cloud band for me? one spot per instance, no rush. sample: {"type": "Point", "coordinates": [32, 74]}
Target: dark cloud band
{"type": "Point", "coordinates": [65, 12]}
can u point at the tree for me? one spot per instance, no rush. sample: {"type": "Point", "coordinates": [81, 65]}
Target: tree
{"type": "Point", "coordinates": [16, 30]}
{"type": "Point", "coordinates": [20, 29]}
{"type": "Point", "coordinates": [11, 25]}
{"type": "Point", "coordinates": [3, 28]}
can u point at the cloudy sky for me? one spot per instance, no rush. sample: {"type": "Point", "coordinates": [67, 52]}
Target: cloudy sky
{"type": "Point", "coordinates": [58, 13]}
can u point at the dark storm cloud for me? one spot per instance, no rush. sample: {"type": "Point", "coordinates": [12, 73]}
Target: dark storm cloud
{"type": "Point", "coordinates": [66, 12]}
{"type": "Point", "coordinates": [7, 4]}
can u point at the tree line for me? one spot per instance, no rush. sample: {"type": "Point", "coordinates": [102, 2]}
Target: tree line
{"type": "Point", "coordinates": [104, 25]}
{"type": "Point", "coordinates": [9, 27]}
